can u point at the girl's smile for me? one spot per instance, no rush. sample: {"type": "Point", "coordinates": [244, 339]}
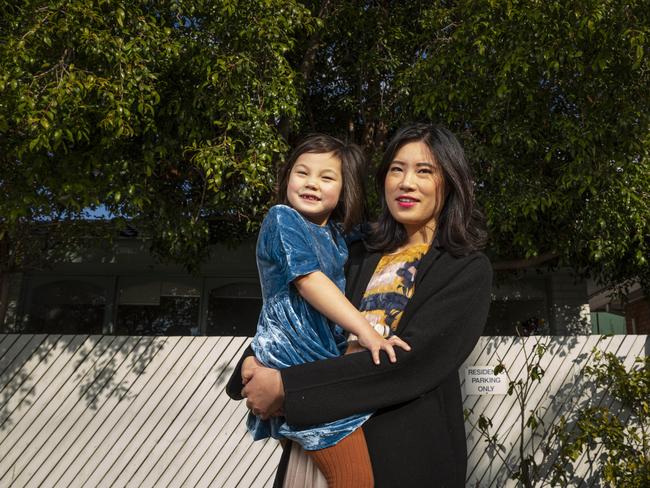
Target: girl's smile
{"type": "Point", "coordinates": [315, 185]}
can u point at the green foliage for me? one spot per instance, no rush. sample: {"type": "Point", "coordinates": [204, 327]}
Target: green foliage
{"type": "Point", "coordinates": [549, 97]}
{"type": "Point", "coordinates": [622, 430]}
{"type": "Point", "coordinates": [171, 115]}
{"type": "Point", "coordinates": [160, 114]}
{"type": "Point", "coordinates": [364, 47]}
{"type": "Point", "coordinates": [527, 468]}
{"type": "Point", "coordinates": [552, 101]}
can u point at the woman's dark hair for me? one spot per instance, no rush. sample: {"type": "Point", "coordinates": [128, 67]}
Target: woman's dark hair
{"type": "Point", "coordinates": [350, 210]}
{"type": "Point", "coordinates": [460, 226]}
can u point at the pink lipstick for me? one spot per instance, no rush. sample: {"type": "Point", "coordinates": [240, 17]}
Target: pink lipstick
{"type": "Point", "coordinates": [406, 202]}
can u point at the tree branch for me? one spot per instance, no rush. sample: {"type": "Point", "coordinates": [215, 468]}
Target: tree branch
{"type": "Point", "coordinates": [524, 263]}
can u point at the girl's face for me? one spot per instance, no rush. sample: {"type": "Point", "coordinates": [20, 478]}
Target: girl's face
{"type": "Point", "coordinates": [415, 191]}
{"type": "Point", "coordinates": [315, 185]}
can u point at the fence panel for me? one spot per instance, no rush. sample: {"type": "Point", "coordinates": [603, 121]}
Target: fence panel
{"type": "Point", "coordinates": [151, 411]}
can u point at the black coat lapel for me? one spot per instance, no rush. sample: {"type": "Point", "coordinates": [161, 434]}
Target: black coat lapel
{"type": "Point", "coordinates": [359, 274]}
{"type": "Point", "coordinates": [426, 262]}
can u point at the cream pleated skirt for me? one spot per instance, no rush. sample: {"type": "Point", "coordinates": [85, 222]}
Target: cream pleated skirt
{"type": "Point", "coordinates": [301, 470]}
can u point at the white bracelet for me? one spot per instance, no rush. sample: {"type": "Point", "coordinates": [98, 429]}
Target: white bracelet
{"type": "Point", "coordinates": [382, 330]}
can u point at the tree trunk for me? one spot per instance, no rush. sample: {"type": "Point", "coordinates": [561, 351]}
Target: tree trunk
{"type": "Point", "coordinates": [308, 60]}
{"type": "Point", "coordinates": [306, 68]}
{"type": "Point", "coordinates": [4, 280]}
{"type": "Point", "coordinates": [370, 115]}
{"type": "Point", "coordinates": [524, 263]}
{"type": "Point", "coordinates": [4, 299]}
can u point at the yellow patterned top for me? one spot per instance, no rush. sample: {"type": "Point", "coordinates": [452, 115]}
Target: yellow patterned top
{"type": "Point", "coordinates": [390, 288]}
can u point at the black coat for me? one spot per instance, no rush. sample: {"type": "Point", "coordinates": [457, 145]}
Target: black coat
{"type": "Point", "coordinates": [417, 435]}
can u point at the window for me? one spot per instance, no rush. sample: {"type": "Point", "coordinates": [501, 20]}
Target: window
{"type": "Point", "coordinates": [65, 307]}
{"type": "Point", "coordinates": [233, 309]}
{"type": "Point", "coordinates": [518, 308]}
{"type": "Point", "coordinates": [152, 307]}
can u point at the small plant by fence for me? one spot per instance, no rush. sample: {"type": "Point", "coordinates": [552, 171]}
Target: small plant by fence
{"type": "Point", "coordinates": [600, 438]}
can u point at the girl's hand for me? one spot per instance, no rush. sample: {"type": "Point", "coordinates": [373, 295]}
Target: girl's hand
{"type": "Point", "coordinates": [396, 341]}
{"type": "Point", "coordinates": [374, 342]}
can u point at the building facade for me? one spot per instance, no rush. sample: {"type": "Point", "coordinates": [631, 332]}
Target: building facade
{"type": "Point", "coordinates": [128, 292]}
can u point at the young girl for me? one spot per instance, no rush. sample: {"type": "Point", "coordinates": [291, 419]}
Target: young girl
{"type": "Point", "coordinates": [301, 254]}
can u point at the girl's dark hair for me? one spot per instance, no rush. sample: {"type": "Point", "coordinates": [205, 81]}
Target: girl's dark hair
{"type": "Point", "coordinates": [460, 226]}
{"type": "Point", "coordinates": [350, 210]}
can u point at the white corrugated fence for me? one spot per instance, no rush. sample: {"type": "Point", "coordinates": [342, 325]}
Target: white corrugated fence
{"type": "Point", "coordinates": [123, 411]}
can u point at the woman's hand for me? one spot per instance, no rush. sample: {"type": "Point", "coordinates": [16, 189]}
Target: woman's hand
{"type": "Point", "coordinates": [374, 342]}
{"type": "Point", "coordinates": [248, 367]}
{"type": "Point", "coordinates": [263, 390]}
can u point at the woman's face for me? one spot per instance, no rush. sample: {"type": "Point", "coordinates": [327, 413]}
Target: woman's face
{"type": "Point", "coordinates": [415, 191]}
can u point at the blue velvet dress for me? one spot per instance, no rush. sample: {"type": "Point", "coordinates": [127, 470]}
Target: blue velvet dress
{"type": "Point", "coordinates": [290, 331]}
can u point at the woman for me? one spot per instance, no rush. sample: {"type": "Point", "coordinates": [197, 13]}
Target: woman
{"type": "Point", "coordinates": [428, 235]}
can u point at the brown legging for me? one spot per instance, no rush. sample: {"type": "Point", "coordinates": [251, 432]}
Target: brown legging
{"type": "Point", "coordinates": [346, 464]}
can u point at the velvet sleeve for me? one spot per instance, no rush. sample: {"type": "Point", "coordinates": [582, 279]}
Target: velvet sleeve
{"type": "Point", "coordinates": [442, 325]}
{"type": "Point", "coordinates": [285, 241]}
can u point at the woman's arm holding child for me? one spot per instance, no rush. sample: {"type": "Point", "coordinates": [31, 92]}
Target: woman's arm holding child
{"type": "Point", "coordinates": [326, 297]}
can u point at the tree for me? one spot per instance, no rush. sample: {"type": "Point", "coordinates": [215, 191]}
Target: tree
{"type": "Point", "coordinates": [552, 101]}
{"type": "Point", "coordinates": [161, 115]}
{"type": "Point", "coordinates": [363, 47]}
{"type": "Point", "coordinates": [170, 116]}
